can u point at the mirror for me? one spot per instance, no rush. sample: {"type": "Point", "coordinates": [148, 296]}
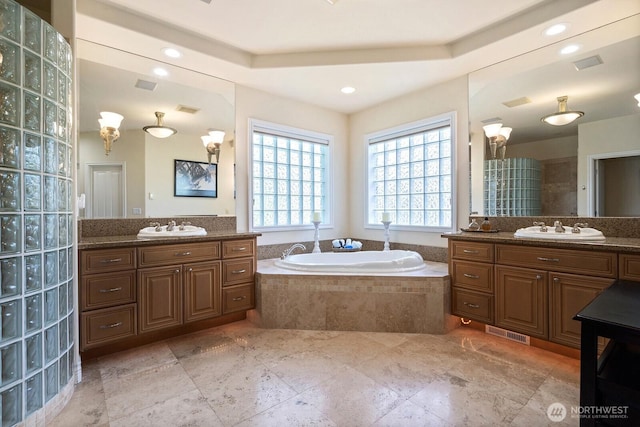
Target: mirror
{"type": "Point", "coordinates": [520, 91]}
{"type": "Point", "coordinates": [137, 178]}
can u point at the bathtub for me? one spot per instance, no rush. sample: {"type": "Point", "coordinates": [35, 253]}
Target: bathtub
{"type": "Point", "coordinates": [396, 261]}
{"type": "Point", "coordinates": [347, 292]}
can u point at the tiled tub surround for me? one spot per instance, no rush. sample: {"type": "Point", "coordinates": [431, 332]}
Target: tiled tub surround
{"type": "Point", "coordinates": [37, 349]}
{"type": "Point", "coordinates": [412, 302]}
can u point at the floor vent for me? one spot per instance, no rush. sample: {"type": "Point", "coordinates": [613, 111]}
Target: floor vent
{"type": "Point", "coordinates": [510, 335]}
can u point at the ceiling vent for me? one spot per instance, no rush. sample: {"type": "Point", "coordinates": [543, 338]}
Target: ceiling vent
{"type": "Point", "coordinates": [591, 61]}
{"type": "Point", "coordinates": [517, 102]}
{"type": "Point", "coordinates": [146, 85]}
{"type": "Point", "coordinates": [188, 110]}
{"type": "Point", "coordinates": [491, 120]}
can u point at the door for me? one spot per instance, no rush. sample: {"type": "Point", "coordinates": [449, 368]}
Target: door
{"type": "Point", "coordinates": [521, 300]}
{"type": "Point", "coordinates": [105, 189]}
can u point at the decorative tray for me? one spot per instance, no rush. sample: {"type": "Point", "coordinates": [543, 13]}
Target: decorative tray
{"type": "Point", "coordinates": [480, 231]}
{"type": "Point", "coordinates": [346, 249]}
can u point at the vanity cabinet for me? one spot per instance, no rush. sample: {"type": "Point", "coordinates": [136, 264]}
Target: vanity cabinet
{"type": "Point", "coordinates": [107, 296]}
{"type": "Point", "coordinates": [540, 289]}
{"type": "Point", "coordinates": [130, 293]}
{"type": "Point", "coordinates": [471, 270]}
{"type": "Point", "coordinates": [529, 289]}
{"type": "Point", "coordinates": [630, 267]}
{"type": "Point", "coordinates": [238, 271]}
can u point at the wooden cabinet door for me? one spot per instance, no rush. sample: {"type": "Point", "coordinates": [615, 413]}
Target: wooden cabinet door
{"type": "Point", "coordinates": [159, 298]}
{"type": "Point", "coordinates": [522, 300]}
{"type": "Point", "coordinates": [202, 291]}
{"type": "Point", "coordinates": [570, 293]}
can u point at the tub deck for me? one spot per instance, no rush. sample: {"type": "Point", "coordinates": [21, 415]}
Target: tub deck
{"type": "Point", "coordinates": [411, 302]}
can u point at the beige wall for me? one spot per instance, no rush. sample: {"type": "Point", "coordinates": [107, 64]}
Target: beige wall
{"type": "Point", "coordinates": [159, 177]}
{"type": "Point", "coordinates": [128, 149]}
{"type": "Point", "coordinates": [430, 102]}
{"type": "Point", "coordinates": [254, 104]}
{"type": "Point", "coordinates": [618, 135]}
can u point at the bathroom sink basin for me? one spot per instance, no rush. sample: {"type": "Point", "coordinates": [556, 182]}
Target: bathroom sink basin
{"type": "Point", "coordinates": [533, 232]}
{"type": "Point", "coordinates": [188, 231]}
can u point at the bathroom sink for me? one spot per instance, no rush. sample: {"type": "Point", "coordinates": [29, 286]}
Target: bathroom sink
{"type": "Point", "coordinates": [188, 231]}
{"type": "Point", "coordinates": [534, 232]}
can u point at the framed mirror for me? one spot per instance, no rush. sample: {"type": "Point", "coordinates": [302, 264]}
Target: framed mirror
{"type": "Point", "coordinates": [136, 179]}
{"type": "Point", "coordinates": [590, 167]}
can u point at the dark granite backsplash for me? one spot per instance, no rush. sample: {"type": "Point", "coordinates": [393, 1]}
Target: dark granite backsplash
{"type": "Point", "coordinates": [610, 226]}
{"type": "Point", "coordinates": [131, 226]}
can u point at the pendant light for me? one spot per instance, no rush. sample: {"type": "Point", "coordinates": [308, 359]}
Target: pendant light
{"type": "Point", "coordinates": [563, 116]}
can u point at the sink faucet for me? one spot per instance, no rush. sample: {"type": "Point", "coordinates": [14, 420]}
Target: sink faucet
{"type": "Point", "coordinates": [542, 225]}
{"type": "Point", "coordinates": [156, 225]}
{"type": "Point", "coordinates": [558, 226]}
{"type": "Point", "coordinates": [287, 252]}
{"type": "Point", "coordinates": [171, 225]}
{"type": "Point", "coordinates": [182, 224]}
{"type": "Point", "coordinates": [577, 225]}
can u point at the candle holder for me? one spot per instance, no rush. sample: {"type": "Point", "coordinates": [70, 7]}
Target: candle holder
{"type": "Point", "coordinates": [386, 235]}
{"type": "Point", "coordinates": [316, 243]}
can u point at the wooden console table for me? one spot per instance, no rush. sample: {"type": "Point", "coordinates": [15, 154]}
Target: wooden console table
{"type": "Point", "coordinates": [610, 385]}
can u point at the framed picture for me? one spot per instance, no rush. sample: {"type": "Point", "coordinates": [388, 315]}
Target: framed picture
{"type": "Point", "coordinates": [195, 179]}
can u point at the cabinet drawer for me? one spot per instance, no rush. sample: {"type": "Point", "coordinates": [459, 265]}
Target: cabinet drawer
{"type": "Point", "coordinates": [473, 275]}
{"type": "Point", "coordinates": [630, 267]}
{"type": "Point", "coordinates": [105, 260]}
{"type": "Point", "coordinates": [237, 298]}
{"type": "Point", "coordinates": [472, 251]}
{"type": "Point", "coordinates": [238, 248]}
{"type": "Point", "coordinates": [592, 263]}
{"type": "Point", "coordinates": [473, 305]}
{"type": "Point", "coordinates": [107, 289]}
{"type": "Point", "coordinates": [108, 324]}
{"type": "Point", "coordinates": [237, 271]}
{"type": "Point", "coordinates": [178, 254]}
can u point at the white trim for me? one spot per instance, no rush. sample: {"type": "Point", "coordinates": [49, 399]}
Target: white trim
{"type": "Point", "coordinates": [256, 125]}
{"type": "Point", "coordinates": [445, 119]}
{"type": "Point", "coordinates": [591, 175]}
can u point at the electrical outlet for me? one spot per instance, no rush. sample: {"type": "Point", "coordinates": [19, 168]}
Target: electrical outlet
{"type": "Point", "coordinates": [137, 211]}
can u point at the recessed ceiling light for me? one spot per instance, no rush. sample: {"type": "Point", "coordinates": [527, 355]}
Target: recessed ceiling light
{"type": "Point", "coordinates": [348, 89]}
{"type": "Point", "coordinates": [160, 72]}
{"type": "Point", "coordinates": [171, 52]}
{"type": "Point", "coordinates": [556, 29]}
{"type": "Point", "coordinates": [572, 48]}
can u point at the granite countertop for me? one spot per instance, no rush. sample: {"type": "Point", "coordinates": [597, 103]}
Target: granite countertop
{"type": "Point", "coordinates": [132, 240]}
{"type": "Point", "coordinates": [610, 244]}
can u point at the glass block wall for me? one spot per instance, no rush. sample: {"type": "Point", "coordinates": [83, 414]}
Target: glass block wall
{"type": "Point", "coordinates": [36, 222]}
{"type": "Point", "coordinates": [512, 187]}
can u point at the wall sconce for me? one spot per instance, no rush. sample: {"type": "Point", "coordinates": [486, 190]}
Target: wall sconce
{"type": "Point", "coordinates": [213, 142]}
{"type": "Point", "coordinates": [498, 137]}
{"type": "Point", "coordinates": [109, 124]}
{"type": "Point", "coordinates": [159, 130]}
{"type": "Point", "coordinates": [563, 116]}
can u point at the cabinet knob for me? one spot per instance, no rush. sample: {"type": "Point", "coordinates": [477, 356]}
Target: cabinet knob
{"type": "Point", "coordinates": [538, 277]}
{"type": "Point", "coordinates": [190, 269]}
{"type": "Point", "coordinates": [556, 280]}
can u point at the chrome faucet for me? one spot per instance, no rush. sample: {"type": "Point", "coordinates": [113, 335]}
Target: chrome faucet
{"type": "Point", "coordinates": [182, 224]}
{"type": "Point", "coordinates": [542, 225]}
{"type": "Point", "coordinates": [171, 225]}
{"type": "Point", "coordinates": [287, 252]}
{"type": "Point", "coordinates": [156, 225]}
{"type": "Point", "coordinates": [577, 225]}
{"type": "Point", "coordinates": [559, 227]}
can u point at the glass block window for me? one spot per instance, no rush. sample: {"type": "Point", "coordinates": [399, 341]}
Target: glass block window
{"type": "Point", "coordinates": [411, 175]}
{"type": "Point", "coordinates": [289, 176]}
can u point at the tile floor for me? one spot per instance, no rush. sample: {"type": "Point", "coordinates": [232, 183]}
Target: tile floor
{"type": "Point", "coordinates": [240, 375]}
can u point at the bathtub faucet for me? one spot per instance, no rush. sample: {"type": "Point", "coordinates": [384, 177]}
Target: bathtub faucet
{"type": "Point", "coordinates": [287, 252]}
